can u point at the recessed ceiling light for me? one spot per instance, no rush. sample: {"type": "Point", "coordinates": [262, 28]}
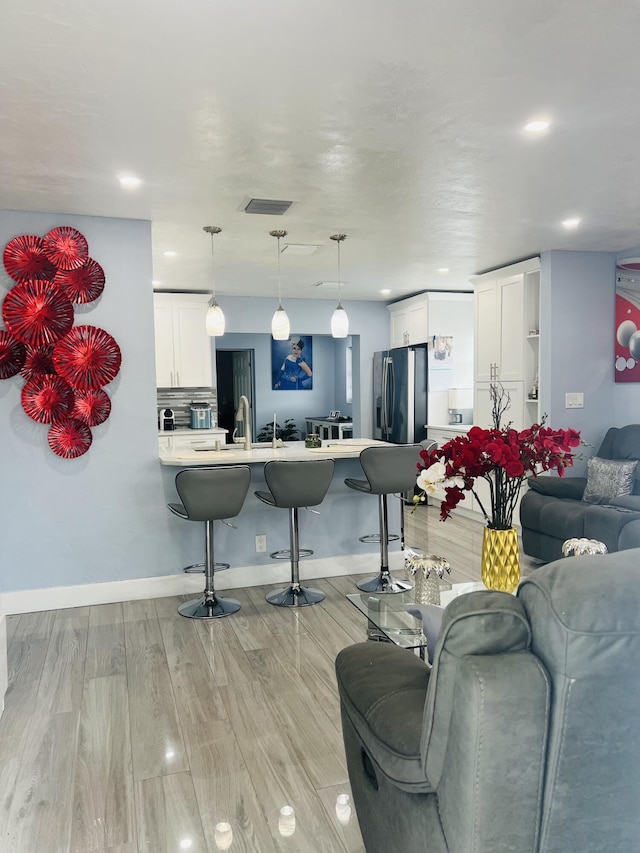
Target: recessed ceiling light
{"type": "Point", "coordinates": [155, 281]}
{"type": "Point", "coordinates": [537, 126]}
{"type": "Point", "coordinates": [571, 223]}
{"type": "Point", "coordinates": [129, 181]}
{"type": "Point", "coordinates": [170, 253]}
{"type": "Point", "coordinates": [443, 270]}
{"type": "Point", "coordinates": [385, 292]}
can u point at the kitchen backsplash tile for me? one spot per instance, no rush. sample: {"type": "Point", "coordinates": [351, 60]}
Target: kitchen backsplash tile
{"type": "Point", "coordinates": [180, 399]}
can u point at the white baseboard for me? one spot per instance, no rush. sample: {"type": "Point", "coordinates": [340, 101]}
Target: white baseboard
{"type": "Point", "coordinates": [82, 595]}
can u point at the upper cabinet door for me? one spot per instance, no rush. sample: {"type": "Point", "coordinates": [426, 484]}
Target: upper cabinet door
{"type": "Point", "coordinates": [511, 313]}
{"type": "Point", "coordinates": [486, 338]}
{"type": "Point", "coordinates": [163, 319]}
{"type": "Point", "coordinates": [192, 345]}
{"type": "Point", "coordinates": [409, 321]}
{"type": "Point", "coordinates": [183, 347]}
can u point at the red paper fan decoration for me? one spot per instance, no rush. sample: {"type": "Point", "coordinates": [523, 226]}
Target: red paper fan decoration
{"type": "Point", "coordinates": [83, 284]}
{"type": "Point", "coordinates": [87, 357]}
{"type": "Point", "coordinates": [47, 399]}
{"type": "Point", "coordinates": [91, 407]}
{"type": "Point", "coordinates": [38, 361]}
{"type": "Point", "coordinates": [69, 438]}
{"type": "Point", "coordinates": [24, 259]}
{"type": "Point", "coordinates": [12, 355]}
{"type": "Point", "coordinates": [66, 248]}
{"type": "Point", "coordinates": [36, 313]}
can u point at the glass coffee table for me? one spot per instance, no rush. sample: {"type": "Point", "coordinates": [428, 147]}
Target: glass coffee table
{"type": "Point", "coordinates": [388, 620]}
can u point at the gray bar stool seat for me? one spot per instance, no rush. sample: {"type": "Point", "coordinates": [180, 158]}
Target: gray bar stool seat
{"type": "Point", "coordinates": [292, 485]}
{"type": "Point", "coordinates": [210, 494]}
{"type": "Point", "coordinates": [389, 469]}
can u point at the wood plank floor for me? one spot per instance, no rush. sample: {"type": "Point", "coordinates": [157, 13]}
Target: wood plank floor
{"type": "Point", "coordinates": [130, 729]}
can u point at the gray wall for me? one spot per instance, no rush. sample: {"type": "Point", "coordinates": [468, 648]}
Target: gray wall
{"type": "Point", "coordinates": [577, 328]}
{"type": "Point", "coordinates": [102, 516]}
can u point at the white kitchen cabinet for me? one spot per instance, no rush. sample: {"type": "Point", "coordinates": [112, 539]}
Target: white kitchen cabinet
{"type": "Point", "coordinates": [506, 341]}
{"type": "Point", "coordinates": [183, 347]}
{"type": "Point", "coordinates": [192, 439]}
{"type": "Point", "coordinates": [482, 405]}
{"type": "Point", "coordinates": [409, 321]}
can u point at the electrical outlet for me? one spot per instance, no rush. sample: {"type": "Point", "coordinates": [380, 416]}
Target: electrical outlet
{"type": "Point", "coordinates": [261, 543]}
{"type": "Point", "coordinates": [574, 400]}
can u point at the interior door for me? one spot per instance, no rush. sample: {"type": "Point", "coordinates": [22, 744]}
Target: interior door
{"type": "Point", "coordinates": [243, 383]}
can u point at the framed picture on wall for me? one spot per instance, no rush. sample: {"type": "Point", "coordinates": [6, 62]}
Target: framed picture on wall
{"type": "Point", "coordinates": [627, 329]}
{"type": "Point", "coordinates": [292, 363]}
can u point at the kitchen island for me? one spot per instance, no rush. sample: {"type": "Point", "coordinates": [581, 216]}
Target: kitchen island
{"type": "Point", "coordinates": [333, 534]}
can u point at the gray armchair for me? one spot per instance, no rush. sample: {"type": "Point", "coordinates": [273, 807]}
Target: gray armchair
{"type": "Point", "coordinates": [523, 735]}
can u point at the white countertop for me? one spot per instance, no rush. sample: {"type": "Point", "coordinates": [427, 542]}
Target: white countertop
{"type": "Point", "coordinates": [294, 451]}
{"type": "Point", "coordinates": [457, 428]}
{"type": "Point", "coordinates": [189, 431]}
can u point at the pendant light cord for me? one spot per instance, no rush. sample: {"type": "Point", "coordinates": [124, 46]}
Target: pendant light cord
{"type": "Point", "coordinates": [213, 230]}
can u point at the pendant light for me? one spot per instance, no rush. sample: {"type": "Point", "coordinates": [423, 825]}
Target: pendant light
{"type": "Point", "coordinates": [280, 328]}
{"type": "Point", "coordinates": [215, 318]}
{"type": "Point", "coordinates": [339, 319]}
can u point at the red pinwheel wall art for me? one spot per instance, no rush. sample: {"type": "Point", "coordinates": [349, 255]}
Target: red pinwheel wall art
{"type": "Point", "coordinates": [65, 367]}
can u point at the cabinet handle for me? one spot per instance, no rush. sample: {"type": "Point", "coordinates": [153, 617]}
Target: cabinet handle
{"type": "Point", "coordinates": [177, 379]}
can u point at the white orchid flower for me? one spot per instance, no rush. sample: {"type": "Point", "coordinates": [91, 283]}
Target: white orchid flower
{"type": "Point", "coordinates": [430, 477]}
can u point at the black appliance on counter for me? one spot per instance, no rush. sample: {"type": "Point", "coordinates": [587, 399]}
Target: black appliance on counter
{"type": "Point", "coordinates": [400, 385]}
{"type": "Point", "coordinates": [167, 420]}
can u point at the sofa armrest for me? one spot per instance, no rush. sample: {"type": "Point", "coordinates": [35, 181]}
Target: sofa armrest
{"type": "Point", "coordinates": [558, 487]}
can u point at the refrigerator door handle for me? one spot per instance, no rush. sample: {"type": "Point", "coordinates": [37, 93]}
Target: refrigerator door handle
{"type": "Point", "coordinates": [384, 397]}
{"type": "Point", "coordinates": [391, 397]}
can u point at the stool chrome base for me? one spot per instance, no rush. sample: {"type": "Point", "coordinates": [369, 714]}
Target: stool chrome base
{"type": "Point", "coordinates": [208, 608]}
{"type": "Point", "coordinates": [199, 567]}
{"type": "Point", "coordinates": [285, 553]}
{"type": "Point", "coordinates": [384, 583]}
{"type": "Point", "coordinates": [295, 596]}
{"type": "Point", "coordinates": [374, 538]}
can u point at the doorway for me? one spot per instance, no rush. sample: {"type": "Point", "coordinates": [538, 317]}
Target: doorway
{"type": "Point", "coordinates": [234, 378]}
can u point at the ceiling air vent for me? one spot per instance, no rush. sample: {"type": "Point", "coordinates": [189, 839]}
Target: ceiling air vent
{"type": "Point", "coordinates": [268, 206]}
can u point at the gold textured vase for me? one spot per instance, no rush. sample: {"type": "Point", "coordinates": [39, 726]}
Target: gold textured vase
{"type": "Point", "coordinates": [500, 559]}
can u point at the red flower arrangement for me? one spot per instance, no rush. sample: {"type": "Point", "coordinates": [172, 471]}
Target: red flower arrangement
{"type": "Point", "coordinates": [502, 456]}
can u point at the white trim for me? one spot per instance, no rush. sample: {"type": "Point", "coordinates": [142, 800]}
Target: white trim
{"type": "Point", "coordinates": [277, 572]}
{"type": "Point", "coordinates": [530, 265]}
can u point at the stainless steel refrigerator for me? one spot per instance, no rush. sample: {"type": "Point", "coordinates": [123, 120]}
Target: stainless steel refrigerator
{"type": "Point", "coordinates": [400, 381]}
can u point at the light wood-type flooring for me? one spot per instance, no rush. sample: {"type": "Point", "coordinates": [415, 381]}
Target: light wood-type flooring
{"type": "Point", "coordinates": [128, 728]}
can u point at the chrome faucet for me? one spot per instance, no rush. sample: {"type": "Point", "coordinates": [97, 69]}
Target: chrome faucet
{"type": "Point", "coordinates": [244, 414]}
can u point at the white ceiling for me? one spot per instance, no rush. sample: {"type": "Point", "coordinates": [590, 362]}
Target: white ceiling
{"type": "Point", "coordinates": [399, 124]}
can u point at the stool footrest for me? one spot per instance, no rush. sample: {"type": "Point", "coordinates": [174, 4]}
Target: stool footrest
{"type": "Point", "coordinates": [295, 596]}
{"type": "Point", "coordinates": [384, 583]}
{"type": "Point", "coordinates": [285, 554]}
{"type": "Point", "coordinates": [199, 567]}
{"type": "Point", "coordinates": [374, 538]}
{"type": "Point", "coordinates": [208, 608]}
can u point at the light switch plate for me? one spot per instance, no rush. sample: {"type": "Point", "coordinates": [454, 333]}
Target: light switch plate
{"type": "Point", "coordinates": [574, 400]}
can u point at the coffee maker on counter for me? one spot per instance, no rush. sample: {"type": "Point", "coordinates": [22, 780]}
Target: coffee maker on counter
{"type": "Point", "coordinates": [460, 405]}
{"type": "Point", "coordinates": [166, 420]}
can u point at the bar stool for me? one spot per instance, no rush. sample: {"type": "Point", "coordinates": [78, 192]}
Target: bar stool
{"type": "Point", "coordinates": [292, 485]}
{"type": "Point", "coordinates": [389, 469]}
{"type": "Point", "coordinates": [210, 494]}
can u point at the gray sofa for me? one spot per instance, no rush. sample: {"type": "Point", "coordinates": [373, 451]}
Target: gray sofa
{"type": "Point", "coordinates": [523, 735]}
{"type": "Point", "coordinates": [552, 510]}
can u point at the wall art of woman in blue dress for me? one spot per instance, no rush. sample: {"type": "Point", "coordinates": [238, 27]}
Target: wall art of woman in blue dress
{"type": "Point", "coordinates": [292, 370]}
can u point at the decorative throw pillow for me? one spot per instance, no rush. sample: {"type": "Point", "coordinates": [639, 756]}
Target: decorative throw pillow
{"type": "Point", "coordinates": [608, 478]}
